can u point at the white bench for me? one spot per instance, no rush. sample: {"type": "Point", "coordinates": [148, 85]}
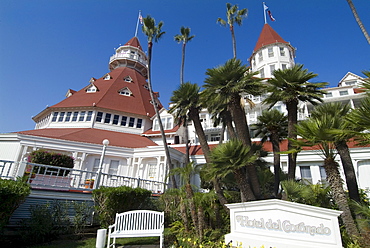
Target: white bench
{"type": "Point", "coordinates": [137, 223]}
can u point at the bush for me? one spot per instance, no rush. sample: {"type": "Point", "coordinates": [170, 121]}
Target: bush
{"type": "Point", "coordinates": [46, 223]}
{"type": "Point", "coordinates": [12, 194]}
{"type": "Point", "coordinates": [51, 158]}
{"type": "Point", "coordinates": [109, 201]}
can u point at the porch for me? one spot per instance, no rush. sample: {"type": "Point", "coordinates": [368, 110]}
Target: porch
{"type": "Point", "coordinates": [56, 178]}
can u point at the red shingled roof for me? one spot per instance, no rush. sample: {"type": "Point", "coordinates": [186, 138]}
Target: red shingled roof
{"type": "Point", "coordinates": [134, 41]}
{"type": "Point", "coordinates": [267, 146]}
{"type": "Point", "coordinates": [93, 136]}
{"type": "Point", "coordinates": [268, 36]}
{"type": "Point", "coordinates": [108, 97]}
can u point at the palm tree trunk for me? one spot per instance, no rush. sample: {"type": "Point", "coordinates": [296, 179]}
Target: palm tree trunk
{"type": "Point", "coordinates": [193, 210]}
{"type": "Point", "coordinates": [229, 125]}
{"type": "Point", "coordinates": [349, 171]}
{"type": "Point", "coordinates": [358, 20]}
{"type": "Point", "coordinates": [182, 63]}
{"type": "Point", "coordinates": [184, 216]}
{"type": "Point", "coordinates": [246, 192]}
{"type": "Point", "coordinates": [233, 40]}
{"type": "Point", "coordinates": [194, 116]}
{"type": "Point", "coordinates": [166, 149]}
{"type": "Point", "coordinates": [242, 131]}
{"type": "Point", "coordinates": [201, 222]}
{"type": "Point", "coordinates": [276, 149]}
{"type": "Point", "coordinates": [292, 108]}
{"type": "Point", "coordinates": [336, 185]}
{"type": "Point", "coordinates": [187, 148]}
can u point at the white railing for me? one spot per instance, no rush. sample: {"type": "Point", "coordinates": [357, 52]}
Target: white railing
{"type": "Point", "coordinates": [41, 176]}
{"type": "Point", "coordinates": [128, 56]}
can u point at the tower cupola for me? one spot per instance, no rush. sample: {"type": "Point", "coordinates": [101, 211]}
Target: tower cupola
{"type": "Point", "coordinates": [130, 55]}
{"type": "Point", "coordinates": [271, 53]}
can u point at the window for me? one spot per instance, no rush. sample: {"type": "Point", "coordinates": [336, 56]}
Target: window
{"type": "Point", "coordinates": [91, 89]}
{"type": "Point", "coordinates": [99, 116]}
{"type": "Point", "coordinates": [272, 68]}
{"type": "Point", "coordinates": [260, 57]}
{"type": "Point", "coordinates": [82, 116]}
{"type": "Point", "coordinates": [254, 62]}
{"type": "Point", "coordinates": [61, 116]}
{"type": "Point", "coordinates": [55, 116]}
{"type": "Point", "coordinates": [270, 52]}
{"type": "Point", "coordinates": [343, 92]}
{"type": "Point", "coordinates": [75, 115]}
{"type": "Point", "coordinates": [282, 51]}
{"type": "Point", "coordinates": [351, 83]}
{"type": "Point", "coordinates": [107, 118]}
{"type": "Point", "coordinates": [155, 125]}
{"type": "Point", "coordinates": [329, 94]}
{"type": "Point", "coordinates": [283, 66]}
{"type": "Point", "coordinates": [262, 73]}
{"type": "Point", "coordinates": [115, 119]}
{"type": "Point", "coordinates": [306, 173]}
{"type": "Point", "coordinates": [128, 79]}
{"type": "Point", "coordinates": [96, 165]}
{"type": "Point", "coordinates": [322, 174]}
{"type": "Point", "coordinates": [131, 123]}
{"type": "Point", "coordinates": [125, 92]}
{"type": "Point", "coordinates": [152, 170]}
{"type": "Point", "coordinates": [113, 167]}
{"type": "Point", "coordinates": [124, 121]}
{"type": "Point", "coordinates": [139, 123]}
{"type": "Point", "coordinates": [107, 77]}
{"type": "Point", "coordinates": [89, 116]}
{"type": "Point", "coordinates": [215, 137]}
{"type": "Point", "coordinates": [168, 124]}
{"type": "Point", "coordinates": [68, 117]}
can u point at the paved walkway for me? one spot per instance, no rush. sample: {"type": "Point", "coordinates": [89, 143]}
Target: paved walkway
{"type": "Point", "coordinates": [139, 246]}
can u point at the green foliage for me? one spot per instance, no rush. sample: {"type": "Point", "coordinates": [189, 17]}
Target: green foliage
{"type": "Point", "coordinates": [109, 201]}
{"type": "Point", "coordinates": [51, 158]}
{"type": "Point", "coordinates": [12, 194]}
{"type": "Point", "coordinates": [47, 222]}
{"type": "Point", "coordinates": [83, 212]}
{"type": "Point", "coordinates": [307, 193]}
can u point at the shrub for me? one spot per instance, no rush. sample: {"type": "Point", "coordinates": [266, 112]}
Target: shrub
{"type": "Point", "coordinates": [51, 158]}
{"type": "Point", "coordinates": [109, 201]}
{"type": "Point", "coordinates": [46, 223]}
{"type": "Point", "coordinates": [12, 194]}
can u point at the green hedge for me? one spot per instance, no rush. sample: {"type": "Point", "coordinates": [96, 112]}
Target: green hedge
{"type": "Point", "coordinates": [12, 194]}
{"type": "Point", "coordinates": [109, 201]}
{"type": "Point", "coordinates": [51, 158]}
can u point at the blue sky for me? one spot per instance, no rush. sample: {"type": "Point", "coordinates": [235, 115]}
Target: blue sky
{"type": "Point", "coordinates": [48, 47]}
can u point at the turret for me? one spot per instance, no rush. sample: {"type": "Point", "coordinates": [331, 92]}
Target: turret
{"type": "Point", "coordinates": [271, 53]}
{"type": "Point", "coordinates": [130, 55]}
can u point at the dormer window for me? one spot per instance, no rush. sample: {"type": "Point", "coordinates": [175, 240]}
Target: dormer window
{"type": "Point", "coordinates": [91, 89]}
{"type": "Point", "coordinates": [107, 77]}
{"type": "Point", "coordinates": [128, 79]}
{"type": "Point", "coordinates": [146, 86]}
{"type": "Point", "coordinates": [125, 92]}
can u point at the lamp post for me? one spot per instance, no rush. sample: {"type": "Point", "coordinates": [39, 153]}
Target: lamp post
{"type": "Point", "coordinates": [105, 144]}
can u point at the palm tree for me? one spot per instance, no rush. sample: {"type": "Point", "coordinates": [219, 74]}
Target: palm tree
{"type": "Point", "coordinates": [291, 86]}
{"type": "Point", "coordinates": [314, 133]}
{"type": "Point", "coordinates": [227, 83]}
{"type": "Point", "coordinates": [154, 32]}
{"type": "Point", "coordinates": [336, 111]}
{"type": "Point", "coordinates": [358, 20]}
{"type": "Point", "coordinates": [184, 37]}
{"type": "Point", "coordinates": [186, 173]}
{"type": "Point", "coordinates": [233, 15]}
{"type": "Point", "coordinates": [272, 125]}
{"type": "Point", "coordinates": [232, 156]}
{"type": "Point", "coordinates": [186, 104]}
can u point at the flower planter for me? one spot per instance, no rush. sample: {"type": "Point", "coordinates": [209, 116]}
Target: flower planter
{"type": "Point", "coordinates": [89, 183]}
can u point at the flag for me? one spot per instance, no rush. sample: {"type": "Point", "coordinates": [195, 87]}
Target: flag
{"type": "Point", "coordinates": [265, 7]}
{"type": "Point", "coordinates": [140, 18]}
{"type": "Point", "coordinates": [270, 15]}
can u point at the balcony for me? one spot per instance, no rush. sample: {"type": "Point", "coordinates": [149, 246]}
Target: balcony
{"type": "Point", "coordinates": [64, 179]}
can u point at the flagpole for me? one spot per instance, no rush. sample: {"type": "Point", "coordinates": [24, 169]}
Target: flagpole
{"type": "Point", "coordinates": [137, 23]}
{"type": "Point", "coordinates": [264, 12]}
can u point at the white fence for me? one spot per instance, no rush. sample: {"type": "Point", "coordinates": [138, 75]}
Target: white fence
{"type": "Point", "coordinates": [64, 179]}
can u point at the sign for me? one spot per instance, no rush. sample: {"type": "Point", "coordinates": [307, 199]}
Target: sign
{"type": "Point", "coordinates": [283, 224]}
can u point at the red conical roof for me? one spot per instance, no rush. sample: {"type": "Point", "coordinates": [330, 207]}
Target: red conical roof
{"type": "Point", "coordinates": [134, 41]}
{"type": "Point", "coordinates": [268, 36]}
